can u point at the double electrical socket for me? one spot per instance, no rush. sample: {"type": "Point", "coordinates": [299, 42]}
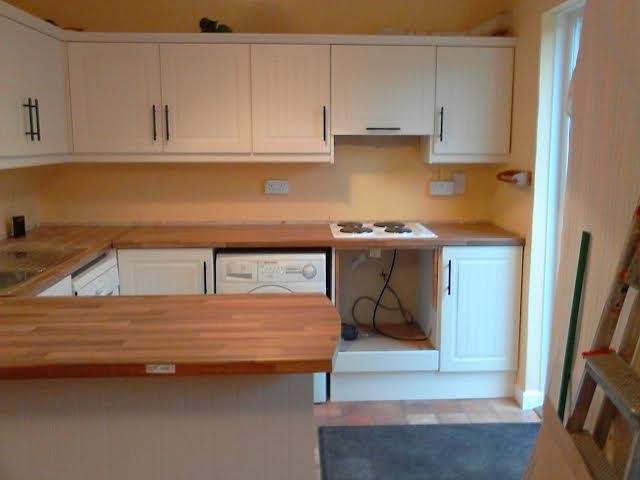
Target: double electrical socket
{"type": "Point", "coordinates": [457, 186]}
{"type": "Point", "coordinates": [276, 187]}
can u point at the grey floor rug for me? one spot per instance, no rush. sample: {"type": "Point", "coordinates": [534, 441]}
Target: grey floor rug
{"type": "Point", "coordinates": [497, 451]}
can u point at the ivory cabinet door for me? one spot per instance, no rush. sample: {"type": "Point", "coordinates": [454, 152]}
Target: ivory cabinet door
{"type": "Point", "coordinates": [382, 89]}
{"type": "Point", "coordinates": [479, 308]}
{"type": "Point", "coordinates": [473, 100]}
{"type": "Point", "coordinates": [291, 95]}
{"type": "Point", "coordinates": [207, 90]}
{"type": "Point", "coordinates": [114, 88]}
{"type": "Point", "coordinates": [171, 271]}
{"type": "Point", "coordinates": [50, 86]}
{"type": "Point", "coordinates": [33, 66]}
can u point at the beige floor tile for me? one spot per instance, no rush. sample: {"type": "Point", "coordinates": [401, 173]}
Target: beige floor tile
{"type": "Point", "coordinates": [458, 417]}
{"type": "Point", "coordinates": [504, 405]}
{"type": "Point", "coordinates": [476, 406]}
{"type": "Point", "coordinates": [482, 417]}
{"type": "Point", "coordinates": [374, 409]}
{"type": "Point", "coordinates": [422, 418]}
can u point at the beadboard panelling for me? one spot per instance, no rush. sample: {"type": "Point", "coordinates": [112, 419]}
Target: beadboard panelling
{"type": "Point", "coordinates": [231, 427]}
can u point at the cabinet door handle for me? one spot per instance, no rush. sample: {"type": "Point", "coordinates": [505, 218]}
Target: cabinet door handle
{"type": "Point", "coordinates": [29, 107]}
{"type": "Point", "coordinates": [204, 270]}
{"type": "Point", "coordinates": [155, 127]}
{"type": "Point", "coordinates": [166, 121]}
{"type": "Point", "coordinates": [37, 107]}
{"type": "Point", "coordinates": [449, 282]}
{"type": "Point", "coordinates": [378, 129]}
{"type": "Point", "coordinates": [324, 123]}
{"type": "Point", "coordinates": [441, 123]}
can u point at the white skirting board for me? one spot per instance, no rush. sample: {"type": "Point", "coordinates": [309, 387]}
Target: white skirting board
{"type": "Point", "coordinates": [529, 399]}
{"type": "Point", "coordinates": [231, 427]}
{"type": "Point", "coordinates": [420, 386]}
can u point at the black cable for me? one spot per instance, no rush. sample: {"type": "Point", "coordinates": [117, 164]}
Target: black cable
{"type": "Point", "coordinates": [380, 305]}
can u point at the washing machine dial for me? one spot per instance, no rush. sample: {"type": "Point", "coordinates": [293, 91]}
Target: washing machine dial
{"type": "Point", "coordinates": [309, 271]}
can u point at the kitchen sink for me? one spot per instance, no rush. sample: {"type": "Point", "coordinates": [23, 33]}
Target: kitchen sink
{"type": "Point", "coordinates": [19, 264]}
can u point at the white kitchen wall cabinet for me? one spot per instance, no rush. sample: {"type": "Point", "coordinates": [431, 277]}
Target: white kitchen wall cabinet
{"type": "Point", "coordinates": [382, 90]}
{"type": "Point", "coordinates": [206, 90]}
{"type": "Point", "coordinates": [479, 308]}
{"type": "Point", "coordinates": [114, 90]}
{"type": "Point", "coordinates": [34, 69]}
{"type": "Point", "coordinates": [291, 97]}
{"type": "Point", "coordinates": [173, 271]}
{"type": "Point", "coordinates": [473, 102]}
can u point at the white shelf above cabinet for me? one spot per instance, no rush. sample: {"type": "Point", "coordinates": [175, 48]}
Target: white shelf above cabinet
{"type": "Point", "coordinates": [382, 90]}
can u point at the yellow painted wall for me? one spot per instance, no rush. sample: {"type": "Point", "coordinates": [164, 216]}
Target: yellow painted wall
{"type": "Point", "coordinates": [266, 16]}
{"type": "Point", "coordinates": [20, 194]}
{"type": "Point", "coordinates": [382, 177]}
{"type": "Point", "coordinates": [512, 206]}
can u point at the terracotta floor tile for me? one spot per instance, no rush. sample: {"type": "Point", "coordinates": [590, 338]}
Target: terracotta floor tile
{"type": "Point", "coordinates": [458, 417]}
{"type": "Point", "coordinates": [419, 407]}
{"type": "Point", "coordinates": [329, 409]}
{"type": "Point", "coordinates": [354, 420]}
{"type": "Point", "coordinates": [395, 420]}
{"type": "Point", "coordinates": [422, 418]}
{"type": "Point", "coordinates": [446, 406]}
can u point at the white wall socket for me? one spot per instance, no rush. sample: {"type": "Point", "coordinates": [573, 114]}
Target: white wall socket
{"type": "Point", "coordinates": [441, 188]}
{"type": "Point", "coordinates": [276, 187]}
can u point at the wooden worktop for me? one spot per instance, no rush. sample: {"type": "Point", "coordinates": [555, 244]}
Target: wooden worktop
{"type": "Point", "coordinates": [89, 242]}
{"type": "Point", "coordinates": [305, 235]}
{"type": "Point", "coordinates": [198, 334]}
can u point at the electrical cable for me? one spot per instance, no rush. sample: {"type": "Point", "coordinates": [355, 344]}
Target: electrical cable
{"type": "Point", "coordinates": [408, 316]}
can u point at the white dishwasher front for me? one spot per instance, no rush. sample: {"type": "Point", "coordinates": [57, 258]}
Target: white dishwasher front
{"type": "Point", "coordinates": [98, 279]}
{"type": "Point", "coordinates": [275, 272]}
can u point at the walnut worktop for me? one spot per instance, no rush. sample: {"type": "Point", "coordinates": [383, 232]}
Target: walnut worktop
{"type": "Point", "coordinates": [198, 334]}
{"type": "Point", "coordinates": [305, 235]}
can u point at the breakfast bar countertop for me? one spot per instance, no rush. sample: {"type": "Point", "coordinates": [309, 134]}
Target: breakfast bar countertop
{"type": "Point", "coordinates": [188, 335]}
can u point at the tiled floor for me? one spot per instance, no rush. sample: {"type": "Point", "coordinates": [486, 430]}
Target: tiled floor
{"type": "Point", "coordinates": [421, 412]}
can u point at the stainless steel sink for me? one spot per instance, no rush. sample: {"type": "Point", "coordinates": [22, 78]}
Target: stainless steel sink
{"type": "Point", "coordinates": [19, 264]}
{"type": "Point", "coordinates": [9, 279]}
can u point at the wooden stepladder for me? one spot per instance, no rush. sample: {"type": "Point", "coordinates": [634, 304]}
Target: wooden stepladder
{"type": "Point", "coordinates": [612, 371]}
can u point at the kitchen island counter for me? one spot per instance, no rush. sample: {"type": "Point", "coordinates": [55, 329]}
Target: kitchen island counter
{"type": "Point", "coordinates": [166, 335]}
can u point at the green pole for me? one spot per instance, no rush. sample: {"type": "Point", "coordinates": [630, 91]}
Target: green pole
{"type": "Point", "coordinates": [573, 323]}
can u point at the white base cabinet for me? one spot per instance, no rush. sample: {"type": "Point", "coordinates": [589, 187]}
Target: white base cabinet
{"type": "Point", "coordinates": [172, 271]}
{"type": "Point", "coordinates": [479, 308]}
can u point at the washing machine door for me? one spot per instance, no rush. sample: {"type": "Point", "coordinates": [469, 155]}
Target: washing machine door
{"type": "Point", "coordinates": [270, 289]}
